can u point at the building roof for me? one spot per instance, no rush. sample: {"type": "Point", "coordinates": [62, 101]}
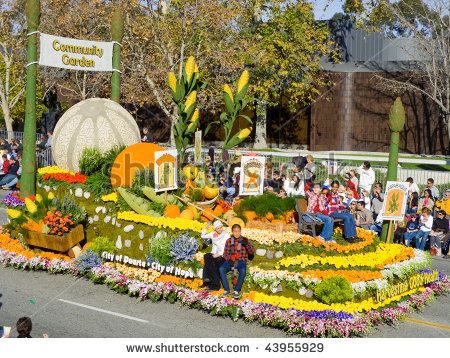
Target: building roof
{"type": "Point", "coordinates": [370, 52]}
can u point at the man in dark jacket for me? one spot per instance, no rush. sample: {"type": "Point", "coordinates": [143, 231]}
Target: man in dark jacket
{"type": "Point", "coordinates": [438, 233]}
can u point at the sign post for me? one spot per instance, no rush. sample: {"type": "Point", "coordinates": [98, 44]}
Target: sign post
{"type": "Point", "coordinates": [28, 179]}
{"type": "Point", "coordinates": [117, 35]}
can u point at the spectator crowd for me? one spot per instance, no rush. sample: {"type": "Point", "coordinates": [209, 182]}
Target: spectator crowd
{"type": "Point", "coordinates": [11, 163]}
{"type": "Point", "coordinates": [356, 201]}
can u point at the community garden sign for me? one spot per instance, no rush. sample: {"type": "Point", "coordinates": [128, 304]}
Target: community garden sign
{"type": "Point", "coordinates": [74, 54]}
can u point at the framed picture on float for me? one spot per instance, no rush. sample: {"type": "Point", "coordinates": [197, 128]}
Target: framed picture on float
{"type": "Point", "coordinates": [251, 181]}
{"type": "Point", "coordinates": [395, 200]}
{"type": "Point", "coordinates": [165, 167]}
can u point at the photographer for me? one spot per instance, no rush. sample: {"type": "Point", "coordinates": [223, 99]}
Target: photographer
{"type": "Point", "coordinates": [214, 259]}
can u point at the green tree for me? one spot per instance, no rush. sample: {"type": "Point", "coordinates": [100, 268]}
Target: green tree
{"type": "Point", "coordinates": [285, 56]}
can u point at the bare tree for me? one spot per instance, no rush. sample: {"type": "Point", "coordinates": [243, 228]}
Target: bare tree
{"type": "Point", "coordinates": [12, 74]}
{"type": "Point", "coordinates": [427, 69]}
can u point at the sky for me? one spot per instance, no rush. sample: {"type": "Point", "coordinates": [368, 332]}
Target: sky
{"type": "Point", "coordinates": [335, 6]}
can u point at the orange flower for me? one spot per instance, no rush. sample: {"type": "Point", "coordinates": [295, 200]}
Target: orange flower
{"type": "Point", "coordinates": [12, 245]}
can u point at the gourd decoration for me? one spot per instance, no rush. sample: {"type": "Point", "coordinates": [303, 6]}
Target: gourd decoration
{"type": "Point", "coordinates": [92, 123]}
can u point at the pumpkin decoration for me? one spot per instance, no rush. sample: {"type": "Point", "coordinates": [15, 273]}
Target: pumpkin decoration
{"type": "Point", "coordinates": [86, 246]}
{"type": "Point", "coordinates": [207, 215]}
{"type": "Point", "coordinates": [269, 216]}
{"type": "Point", "coordinates": [93, 123]}
{"type": "Point", "coordinates": [132, 159]}
{"type": "Point", "coordinates": [187, 214]}
{"type": "Point", "coordinates": [172, 211]}
{"type": "Point", "coordinates": [250, 215]}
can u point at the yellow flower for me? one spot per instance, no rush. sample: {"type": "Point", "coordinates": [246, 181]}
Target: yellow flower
{"type": "Point", "coordinates": [383, 255]}
{"type": "Point", "coordinates": [243, 80]}
{"type": "Point", "coordinates": [244, 133]}
{"type": "Point", "coordinates": [162, 222]}
{"type": "Point", "coordinates": [307, 305]}
{"type": "Point", "coordinates": [52, 170]}
{"type": "Point", "coordinates": [110, 197]}
{"type": "Point", "coordinates": [31, 206]}
{"type": "Point", "coordinates": [196, 69]}
{"type": "Point", "coordinates": [190, 68]}
{"type": "Point", "coordinates": [13, 213]}
{"type": "Point", "coordinates": [190, 100]}
{"type": "Point", "coordinates": [191, 125]}
{"type": "Point", "coordinates": [228, 91]}
{"type": "Point", "coordinates": [50, 195]}
{"type": "Point", "coordinates": [172, 81]}
{"type": "Point", "coordinates": [38, 198]}
{"type": "Point", "coordinates": [195, 115]}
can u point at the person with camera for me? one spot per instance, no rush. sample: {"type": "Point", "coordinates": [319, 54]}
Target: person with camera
{"type": "Point", "coordinates": [238, 250]}
{"type": "Point", "coordinates": [366, 176]}
{"type": "Point", "coordinates": [214, 259]}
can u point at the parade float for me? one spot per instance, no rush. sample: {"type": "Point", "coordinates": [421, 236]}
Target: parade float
{"type": "Point", "coordinates": [130, 216]}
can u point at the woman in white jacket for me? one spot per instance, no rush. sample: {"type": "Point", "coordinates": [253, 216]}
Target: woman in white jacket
{"type": "Point", "coordinates": [214, 259]}
{"type": "Point", "coordinates": [294, 186]}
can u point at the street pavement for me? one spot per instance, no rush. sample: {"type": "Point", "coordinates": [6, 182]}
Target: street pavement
{"type": "Point", "coordinates": [65, 306]}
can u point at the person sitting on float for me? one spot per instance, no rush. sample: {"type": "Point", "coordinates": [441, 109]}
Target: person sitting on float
{"type": "Point", "coordinates": [214, 259]}
{"type": "Point", "coordinates": [238, 250]}
{"type": "Point", "coordinates": [338, 211]}
{"type": "Point", "coordinates": [317, 202]}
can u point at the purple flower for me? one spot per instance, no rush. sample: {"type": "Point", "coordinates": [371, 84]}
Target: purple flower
{"type": "Point", "coordinates": [12, 201]}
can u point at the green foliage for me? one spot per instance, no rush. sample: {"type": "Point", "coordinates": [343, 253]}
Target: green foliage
{"type": "Point", "coordinates": [91, 161]}
{"type": "Point", "coordinates": [262, 204]}
{"type": "Point", "coordinates": [99, 182]}
{"type": "Point", "coordinates": [101, 244]}
{"type": "Point", "coordinates": [290, 45]}
{"type": "Point", "coordinates": [160, 248]}
{"type": "Point", "coordinates": [334, 290]}
{"type": "Point", "coordinates": [141, 179]}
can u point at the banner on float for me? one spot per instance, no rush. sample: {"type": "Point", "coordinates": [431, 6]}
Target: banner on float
{"type": "Point", "coordinates": [75, 54]}
{"type": "Point", "coordinates": [165, 170]}
{"type": "Point", "coordinates": [198, 147]}
{"type": "Point", "coordinates": [395, 199]}
{"type": "Point", "coordinates": [251, 181]}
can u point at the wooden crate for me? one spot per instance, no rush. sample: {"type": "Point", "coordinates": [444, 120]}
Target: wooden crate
{"type": "Point", "coordinates": [54, 242]}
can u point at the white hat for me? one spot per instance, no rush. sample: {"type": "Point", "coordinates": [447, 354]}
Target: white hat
{"type": "Point", "coordinates": [217, 224]}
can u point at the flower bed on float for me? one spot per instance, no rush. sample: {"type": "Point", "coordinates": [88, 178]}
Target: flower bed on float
{"type": "Point", "coordinates": [295, 282]}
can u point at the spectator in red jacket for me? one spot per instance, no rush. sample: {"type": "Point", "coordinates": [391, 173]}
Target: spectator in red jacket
{"type": "Point", "coordinates": [5, 166]}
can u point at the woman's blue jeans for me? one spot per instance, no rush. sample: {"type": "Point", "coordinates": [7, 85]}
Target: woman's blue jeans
{"type": "Point", "coordinates": [349, 223]}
